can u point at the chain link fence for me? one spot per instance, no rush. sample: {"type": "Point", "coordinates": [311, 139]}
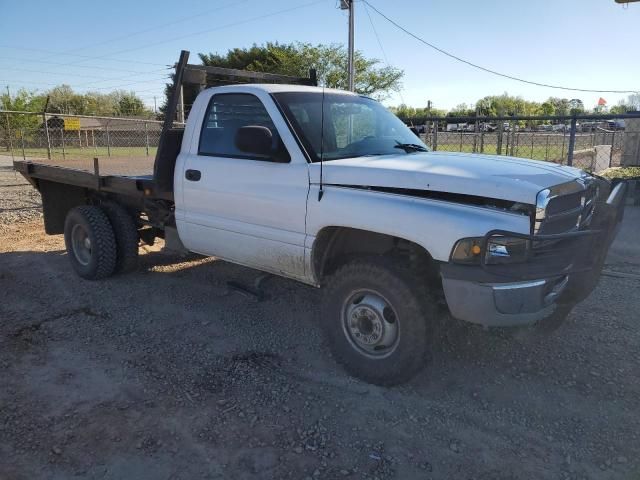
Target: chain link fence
{"type": "Point", "coordinates": [593, 145]}
{"type": "Point", "coordinates": [124, 146]}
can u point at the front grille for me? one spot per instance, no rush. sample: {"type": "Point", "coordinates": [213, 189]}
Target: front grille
{"type": "Point", "coordinates": [565, 208]}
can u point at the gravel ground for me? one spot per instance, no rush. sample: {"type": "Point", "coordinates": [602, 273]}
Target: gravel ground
{"type": "Point", "coordinates": [166, 373]}
{"type": "Point", "coordinates": [18, 201]}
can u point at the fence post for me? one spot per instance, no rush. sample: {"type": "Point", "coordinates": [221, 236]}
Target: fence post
{"type": "Point", "coordinates": [435, 137]}
{"type": "Point", "coordinates": [64, 154]}
{"type": "Point", "coordinates": [461, 141]}
{"type": "Point", "coordinates": [564, 136]}
{"type": "Point", "coordinates": [46, 127]}
{"type": "Point", "coordinates": [482, 142]}
{"type": "Point", "coordinates": [24, 157]}
{"type": "Point", "coordinates": [499, 139]}
{"type": "Point", "coordinates": [546, 152]}
{"type": "Point", "coordinates": [572, 141]}
{"type": "Point", "coordinates": [108, 140]}
{"type": "Point", "coordinates": [506, 147]}
{"type": "Point", "coordinates": [9, 135]}
{"type": "Point", "coordinates": [514, 137]}
{"type": "Point", "coordinates": [146, 137]}
{"type": "Point", "coordinates": [46, 131]}
{"type": "Point", "coordinates": [533, 137]}
{"type": "Point", "coordinates": [613, 141]}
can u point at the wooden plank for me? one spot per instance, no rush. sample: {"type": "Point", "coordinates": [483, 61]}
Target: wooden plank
{"type": "Point", "coordinates": [243, 75]}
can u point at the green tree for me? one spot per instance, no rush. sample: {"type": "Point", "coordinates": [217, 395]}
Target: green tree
{"type": "Point", "coordinates": [548, 108]}
{"type": "Point", "coordinates": [576, 107]}
{"type": "Point", "coordinates": [128, 105]}
{"type": "Point", "coordinates": [23, 101]}
{"type": "Point", "coordinates": [295, 59]}
{"type": "Point", "coordinates": [416, 115]}
{"type": "Point", "coordinates": [633, 101]}
{"type": "Point", "coordinates": [561, 105]}
{"type": "Point", "coordinates": [506, 104]}
{"type": "Point", "coordinates": [630, 104]}
{"type": "Point", "coordinates": [461, 110]}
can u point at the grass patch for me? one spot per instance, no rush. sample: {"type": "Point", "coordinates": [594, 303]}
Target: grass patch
{"type": "Point", "coordinates": [538, 152]}
{"type": "Point", "coordinates": [621, 172]}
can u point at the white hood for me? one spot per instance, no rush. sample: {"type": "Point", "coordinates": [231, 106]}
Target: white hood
{"type": "Point", "coordinates": [491, 176]}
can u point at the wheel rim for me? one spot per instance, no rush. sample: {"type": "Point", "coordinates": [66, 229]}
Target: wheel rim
{"type": "Point", "coordinates": [370, 323]}
{"type": "Point", "coordinates": [81, 244]}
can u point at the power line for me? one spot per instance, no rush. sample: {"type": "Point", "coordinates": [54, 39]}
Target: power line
{"type": "Point", "coordinates": [488, 70]}
{"type": "Point", "coordinates": [384, 54]}
{"type": "Point", "coordinates": [47, 62]}
{"type": "Point", "coordinates": [100, 79]}
{"type": "Point", "coordinates": [209, 30]}
{"type": "Point", "coordinates": [108, 56]}
{"type": "Point", "coordinates": [114, 87]}
{"type": "Point", "coordinates": [163, 25]}
{"type": "Point", "coordinates": [89, 57]}
{"type": "Point", "coordinates": [122, 37]}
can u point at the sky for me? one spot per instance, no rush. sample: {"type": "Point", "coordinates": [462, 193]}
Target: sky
{"type": "Point", "coordinates": [590, 44]}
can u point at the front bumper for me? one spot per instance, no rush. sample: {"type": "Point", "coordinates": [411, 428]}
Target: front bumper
{"type": "Point", "coordinates": [523, 294]}
{"type": "Point", "coordinates": [503, 304]}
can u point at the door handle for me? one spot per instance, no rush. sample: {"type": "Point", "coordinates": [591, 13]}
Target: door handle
{"type": "Point", "coordinates": [192, 175]}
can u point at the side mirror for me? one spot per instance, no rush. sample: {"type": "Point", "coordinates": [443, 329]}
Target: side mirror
{"type": "Point", "coordinates": [254, 139]}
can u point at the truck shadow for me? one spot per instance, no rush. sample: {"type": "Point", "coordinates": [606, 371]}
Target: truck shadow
{"type": "Point", "coordinates": [188, 299]}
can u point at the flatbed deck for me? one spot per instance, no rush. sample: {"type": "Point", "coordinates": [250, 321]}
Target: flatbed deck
{"type": "Point", "coordinates": [77, 173]}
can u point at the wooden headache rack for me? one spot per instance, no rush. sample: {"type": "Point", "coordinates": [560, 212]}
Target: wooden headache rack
{"type": "Point", "coordinates": [190, 80]}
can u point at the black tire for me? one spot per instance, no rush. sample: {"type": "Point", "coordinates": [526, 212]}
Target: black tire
{"type": "Point", "coordinates": [406, 296]}
{"type": "Point", "coordinates": [127, 237]}
{"type": "Point", "coordinates": [98, 259]}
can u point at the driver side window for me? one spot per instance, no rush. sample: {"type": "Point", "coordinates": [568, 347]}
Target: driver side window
{"type": "Point", "coordinates": [226, 114]}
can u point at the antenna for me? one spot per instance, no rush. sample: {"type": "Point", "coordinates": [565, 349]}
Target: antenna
{"type": "Point", "coordinates": [321, 191]}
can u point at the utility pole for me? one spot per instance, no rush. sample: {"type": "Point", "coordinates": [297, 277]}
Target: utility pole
{"type": "Point", "coordinates": [155, 107]}
{"type": "Point", "coordinates": [349, 5]}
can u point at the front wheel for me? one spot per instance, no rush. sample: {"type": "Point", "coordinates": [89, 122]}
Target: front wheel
{"type": "Point", "coordinates": [375, 316]}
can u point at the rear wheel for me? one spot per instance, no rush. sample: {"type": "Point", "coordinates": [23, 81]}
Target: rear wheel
{"type": "Point", "coordinates": [375, 318]}
{"type": "Point", "coordinates": [90, 242]}
{"type": "Point", "coordinates": [126, 234]}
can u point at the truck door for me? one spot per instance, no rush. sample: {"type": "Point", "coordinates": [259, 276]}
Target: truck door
{"type": "Point", "coordinates": [246, 209]}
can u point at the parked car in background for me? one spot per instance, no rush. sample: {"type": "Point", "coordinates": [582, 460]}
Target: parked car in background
{"type": "Point", "coordinates": [589, 126]}
{"type": "Point", "coordinates": [616, 124]}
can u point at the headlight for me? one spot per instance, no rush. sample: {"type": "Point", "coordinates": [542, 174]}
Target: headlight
{"type": "Point", "coordinates": [467, 250]}
{"type": "Point", "coordinates": [499, 250]}
{"type": "Point", "coordinates": [507, 250]}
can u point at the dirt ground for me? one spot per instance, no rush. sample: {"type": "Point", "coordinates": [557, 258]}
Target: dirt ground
{"type": "Point", "coordinates": [167, 374]}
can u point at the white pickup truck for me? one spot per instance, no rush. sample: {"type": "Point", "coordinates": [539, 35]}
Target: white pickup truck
{"type": "Point", "coordinates": [329, 188]}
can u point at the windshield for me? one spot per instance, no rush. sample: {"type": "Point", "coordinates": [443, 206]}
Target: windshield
{"type": "Point", "coordinates": [354, 126]}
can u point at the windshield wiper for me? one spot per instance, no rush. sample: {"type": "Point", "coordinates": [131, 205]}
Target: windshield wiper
{"type": "Point", "coordinates": [410, 147]}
